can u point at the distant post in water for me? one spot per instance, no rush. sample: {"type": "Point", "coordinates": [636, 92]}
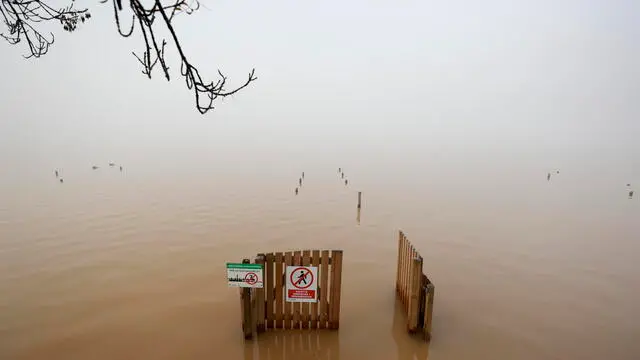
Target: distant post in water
{"type": "Point", "coordinates": [359, 199]}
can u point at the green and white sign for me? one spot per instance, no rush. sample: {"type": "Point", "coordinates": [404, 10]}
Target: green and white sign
{"type": "Point", "coordinates": [244, 275]}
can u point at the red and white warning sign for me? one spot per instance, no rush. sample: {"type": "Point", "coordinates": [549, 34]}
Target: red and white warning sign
{"type": "Point", "coordinates": [302, 284]}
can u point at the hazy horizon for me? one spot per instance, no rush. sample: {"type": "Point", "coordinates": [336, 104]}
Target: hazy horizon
{"type": "Point", "coordinates": [446, 115]}
{"type": "Point", "coordinates": [538, 76]}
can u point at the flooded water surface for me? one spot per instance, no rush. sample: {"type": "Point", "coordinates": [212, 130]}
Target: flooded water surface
{"type": "Point", "coordinates": [131, 264]}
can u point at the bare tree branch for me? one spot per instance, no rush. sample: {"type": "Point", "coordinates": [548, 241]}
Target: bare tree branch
{"type": "Point", "coordinates": [22, 16]}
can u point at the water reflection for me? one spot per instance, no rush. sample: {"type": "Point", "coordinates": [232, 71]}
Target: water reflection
{"type": "Point", "coordinates": [281, 345]}
{"type": "Point", "coordinates": [410, 346]}
{"type": "Point", "coordinates": [358, 217]}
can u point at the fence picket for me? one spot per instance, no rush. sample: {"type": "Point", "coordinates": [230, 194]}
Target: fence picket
{"type": "Point", "coordinates": [288, 314]}
{"type": "Point", "coordinates": [297, 260]}
{"type": "Point", "coordinates": [315, 261]}
{"type": "Point", "coordinates": [306, 261]}
{"type": "Point", "coordinates": [336, 282]}
{"type": "Point", "coordinates": [268, 281]}
{"type": "Point", "coordinates": [324, 289]}
{"type": "Point", "coordinates": [279, 291]}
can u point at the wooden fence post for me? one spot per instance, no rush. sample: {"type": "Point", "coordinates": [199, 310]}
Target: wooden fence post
{"type": "Point", "coordinates": [414, 293]}
{"type": "Point", "coordinates": [245, 296]}
{"type": "Point", "coordinates": [324, 289]}
{"type": "Point", "coordinates": [306, 307]}
{"type": "Point", "coordinates": [428, 313]}
{"type": "Point", "coordinates": [336, 284]}
{"type": "Point", "coordinates": [315, 261]}
{"type": "Point", "coordinates": [288, 312]}
{"type": "Point", "coordinates": [279, 290]}
{"type": "Point", "coordinates": [297, 307]}
{"type": "Point", "coordinates": [399, 270]}
{"type": "Point", "coordinates": [268, 283]}
{"type": "Point", "coordinates": [260, 301]}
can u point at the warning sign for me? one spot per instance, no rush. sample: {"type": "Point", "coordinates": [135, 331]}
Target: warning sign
{"type": "Point", "coordinates": [302, 284]}
{"type": "Point", "coordinates": [244, 275]}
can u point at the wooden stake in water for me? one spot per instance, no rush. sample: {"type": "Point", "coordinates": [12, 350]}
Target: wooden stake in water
{"type": "Point", "coordinates": [245, 301]}
{"type": "Point", "coordinates": [359, 199]}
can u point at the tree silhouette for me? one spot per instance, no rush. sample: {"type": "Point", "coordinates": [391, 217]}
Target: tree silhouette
{"type": "Point", "coordinates": [24, 18]}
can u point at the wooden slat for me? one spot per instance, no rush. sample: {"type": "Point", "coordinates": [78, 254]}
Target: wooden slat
{"type": "Point", "coordinates": [407, 267]}
{"type": "Point", "coordinates": [324, 289]}
{"type": "Point", "coordinates": [279, 290]}
{"type": "Point", "coordinates": [423, 298]}
{"type": "Point", "coordinates": [260, 301]}
{"type": "Point", "coordinates": [288, 313]}
{"type": "Point", "coordinates": [336, 283]}
{"type": "Point", "coordinates": [399, 269]}
{"type": "Point", "coordinates": [306, 261]}
{"type": "Point", "coordinates": [428, 314]}
{"type": "Point", "coordinates": [403, 264]}
{"type": "Point", "coordinates": [315, 261]}
{"type": "Point", "coordinates": [269, 284]}
{"type": "Point", "coordinates": [414, 296]}
{"type": "Point", "coordinates": [410, 256]}
{"type": "Point", "coordinates": [410, 282]}
{"type": "Point", "coordinates": [297, 260]}
{"type": "Point", "coordinates": [407, 256]}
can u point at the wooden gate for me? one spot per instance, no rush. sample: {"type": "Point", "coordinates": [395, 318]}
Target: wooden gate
{"type": "Point", "coordinates": [414, 288]}
{"type": "Point", "coordinates": [265, 308]}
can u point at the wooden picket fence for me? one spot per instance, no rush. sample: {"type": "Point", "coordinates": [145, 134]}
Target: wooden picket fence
{"type": "Point", "coordinates": [414, 288]}
{"type": "Point", "coordinates": [266, 308]}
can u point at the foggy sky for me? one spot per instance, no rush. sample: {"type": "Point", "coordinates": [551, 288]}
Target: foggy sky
{"type": "Point", "coordinates": [339, 76]}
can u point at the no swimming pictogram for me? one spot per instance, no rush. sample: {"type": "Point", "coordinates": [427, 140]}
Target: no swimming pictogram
{"type": "Point", "coordinates": [251, 278]}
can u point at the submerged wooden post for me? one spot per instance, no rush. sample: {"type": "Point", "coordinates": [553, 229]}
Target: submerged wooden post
{"type": "Point", "coordinates": [315, 261]}
{"type": "Point", "coordinates": [279, 271]}
{"type": "Point", "coordinates": [268, 283]}
{"type": "Point", "coordinates": [428, 312]}
{"type": "Point", "coordinates": [288, 312]}
{"type": "Point", "coordinates": [323, 289]}
{"type": "Point", "coordinates": [415, 278]}
{"type": "Point", "coordinates": [306, 307]}
{"type": "Point", "coordinates": [336, 284]}
{"type": "Point", "coordinates": [359, 199]}
{"type": "Point", "coordinates": [260, 301]}
{"type": "Point", "coordinates": [297, 307]}
{"type": "Point", "coordinates": [399, 260]}
{"type": "Point", "coordinates": [245, 296]}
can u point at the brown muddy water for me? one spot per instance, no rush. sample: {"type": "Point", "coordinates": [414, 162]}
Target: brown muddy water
{"type": "Point", "coordinates": [131, 265]}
